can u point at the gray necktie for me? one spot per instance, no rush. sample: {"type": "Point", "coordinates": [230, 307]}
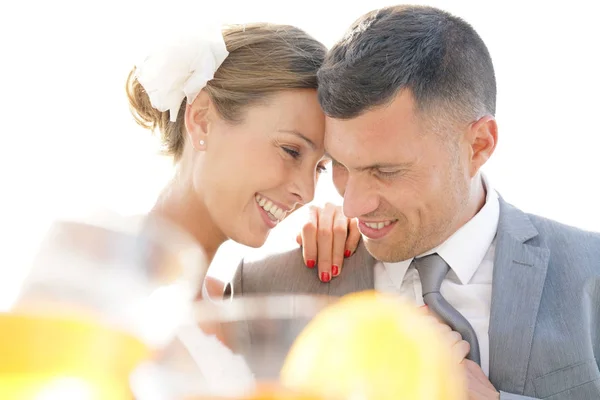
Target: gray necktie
{"type": "Point", "coordinates": [432, 271]}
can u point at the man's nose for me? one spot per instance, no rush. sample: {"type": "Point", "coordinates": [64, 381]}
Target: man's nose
{"type": "Point", "coordinates": [359, 198]}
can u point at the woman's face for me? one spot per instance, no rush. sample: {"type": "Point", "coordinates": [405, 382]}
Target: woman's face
{"type": "Point", "coordinates": [254, 173]}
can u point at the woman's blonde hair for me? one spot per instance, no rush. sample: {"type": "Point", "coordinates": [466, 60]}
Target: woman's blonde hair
{"type": "Point", "coordinates": [263, 59]}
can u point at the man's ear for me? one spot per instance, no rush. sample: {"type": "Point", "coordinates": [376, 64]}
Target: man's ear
{"type": "Point", "coordinates": [483, 138]}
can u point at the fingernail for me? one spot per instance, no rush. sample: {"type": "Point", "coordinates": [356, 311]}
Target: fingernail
{"type": "Point", "coordinates": [347, 253]}
{"type": "Point", "coordinates": [310, 263]}
{"type": "Point", "coordinates": [325, 276]}
{"type": "Point", "coordinates": [335, 270]}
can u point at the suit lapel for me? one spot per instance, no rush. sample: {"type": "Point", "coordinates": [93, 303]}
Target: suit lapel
{"type": "Point", "coordinates": [519, 274]}
{"type": "Point", "coordinates": [357, 274]}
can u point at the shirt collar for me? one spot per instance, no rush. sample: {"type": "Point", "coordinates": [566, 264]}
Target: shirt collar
{"type": "Point", "coordinates": [465, 249]}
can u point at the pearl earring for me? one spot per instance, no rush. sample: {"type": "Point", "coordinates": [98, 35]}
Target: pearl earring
{"type": "Point", "coordinates": [201, 142]}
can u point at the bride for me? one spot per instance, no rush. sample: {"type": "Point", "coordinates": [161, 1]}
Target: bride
{"type": "Point", "coordinates": [237, 110]}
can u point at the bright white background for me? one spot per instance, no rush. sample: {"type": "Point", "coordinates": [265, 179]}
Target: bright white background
{"type": "Point", "coordinates": [69, 146]}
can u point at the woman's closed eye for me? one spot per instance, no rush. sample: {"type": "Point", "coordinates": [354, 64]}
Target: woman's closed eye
{"type": "Point", "coordinates": [295, 154]}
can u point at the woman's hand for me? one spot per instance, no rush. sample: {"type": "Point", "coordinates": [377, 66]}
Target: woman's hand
{"type": "Point", "coordinates": [326, 239]}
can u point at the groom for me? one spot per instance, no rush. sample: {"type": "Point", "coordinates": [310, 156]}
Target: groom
{"type": "Point", "coordinates": [410, 97]}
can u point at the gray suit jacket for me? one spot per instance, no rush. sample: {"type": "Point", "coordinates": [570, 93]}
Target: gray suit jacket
{"type": "Point", "coordinates": [545, 313]}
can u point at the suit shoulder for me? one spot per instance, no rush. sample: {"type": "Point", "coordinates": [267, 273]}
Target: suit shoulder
{"type": "Point", "coordinates": [272, 260]}
{"type": "Point", "coordinates": [570, 245]}
{"type": "Point", "coordinates": [274, 273]}
{"type": "Point", "coordinates": [555, 230]}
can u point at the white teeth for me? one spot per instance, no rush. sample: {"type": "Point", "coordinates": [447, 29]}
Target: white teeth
{"type": "Point", "coordinates": [278, 214]}
{"type": "Point", "coordinates": [272, 210]}
{"type": "Point", "coordinates": [377, 225]}
{"type": "Point", "coordinates": [268, 206]}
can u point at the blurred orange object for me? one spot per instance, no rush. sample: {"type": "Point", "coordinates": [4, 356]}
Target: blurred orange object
{"type": "Point", "coordinates": [266, 391]}
{"type": "Point", "coordinates": [373, 346]}
{"type": "Point", "coordinates": [60, 358]}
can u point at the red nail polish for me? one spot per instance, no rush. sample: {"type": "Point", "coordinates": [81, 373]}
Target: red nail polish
{"type": "Point", "coordinates": [335, 270]}
{"type": "Point", "coordinates": [325, 276]}
{"type": "Point", "coordinates": [347, 253]}
{"type": "Point", "coordinates": [310, 263]}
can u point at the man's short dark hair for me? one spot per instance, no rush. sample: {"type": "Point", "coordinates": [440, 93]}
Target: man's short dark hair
{"type": "Point", "coordinates": [438, 56]}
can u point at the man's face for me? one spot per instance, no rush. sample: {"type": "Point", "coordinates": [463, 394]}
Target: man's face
{"type": "Point", "coordinates": [408, 186]}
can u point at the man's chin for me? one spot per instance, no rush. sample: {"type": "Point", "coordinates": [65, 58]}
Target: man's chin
{"type": "Point", "coordinates": [382, 251]}
{"type": "Point", "coordinates": [387, 251]}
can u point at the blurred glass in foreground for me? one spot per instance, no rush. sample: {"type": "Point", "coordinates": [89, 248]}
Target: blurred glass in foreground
{"type": "Point", "coordinates": [363, 345]}
{"type": "Point", "coordinates": [234, 350]}
{"type": "Point", "coordinates": [101, 298]}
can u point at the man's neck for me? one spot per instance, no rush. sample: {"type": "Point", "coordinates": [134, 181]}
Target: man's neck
{"type": "Point", "coordinates": [474, 204]}
{"type": "Point", "coordinates": [478, 197]}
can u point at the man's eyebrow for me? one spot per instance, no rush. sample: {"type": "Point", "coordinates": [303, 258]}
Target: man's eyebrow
{"type": "Point", "coordinates": [404, 165]}
{"type": "Point", "coordinates": [300, 135]}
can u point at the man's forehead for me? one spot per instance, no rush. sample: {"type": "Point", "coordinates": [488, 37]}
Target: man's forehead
{"type": "Point", "coordinates": [362, 147]}
{"type": "Point", "coordinates": [358, 136]}
{"type": "Point", "coordinates": [395, 121]}
{"type": "Point", "coordinates": [353, 153]}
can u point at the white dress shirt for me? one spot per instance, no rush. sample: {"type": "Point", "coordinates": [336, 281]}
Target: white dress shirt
{"type": "Point", "coordinates": [468, 286]}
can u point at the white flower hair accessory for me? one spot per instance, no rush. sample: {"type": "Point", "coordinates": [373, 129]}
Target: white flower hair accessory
{"type": "Point", "coordinates": [181, 68]}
